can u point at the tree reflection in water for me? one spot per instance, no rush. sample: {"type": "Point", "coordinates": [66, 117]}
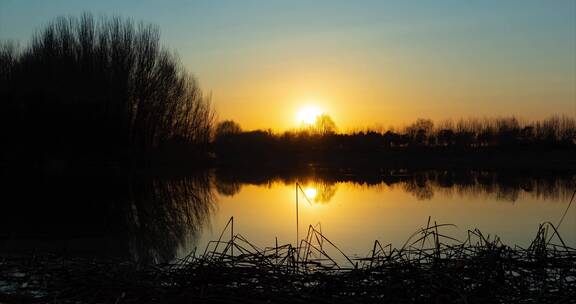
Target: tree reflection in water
{"type": "Point", "coordinates": [319, 191]}
{"type": "Point", "coordinates": [164, 214]}
{"type": "Point", "coordinates": [149, 217]}
{"type": "Point", "coordinates": [142, 217]}
{"type": "Point", "coordinates": [423, 184]}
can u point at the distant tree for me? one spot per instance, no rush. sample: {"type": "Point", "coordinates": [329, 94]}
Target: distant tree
{"type": "Point", "coordinates": [227, 128]}
{"type": "Point", "coordinates": [445, 137]}
{"type": "Point", "coordinates": [390, 138]}
{"type": "Point", "coordinates": [527, 134]}
{"type": "Point", "coordinates": [420, 130]}
{"type": "Point", "coordinates": [324, 125]}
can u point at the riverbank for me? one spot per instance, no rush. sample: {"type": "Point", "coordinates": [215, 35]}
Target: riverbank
{"type": "Point", "coordinates": [411, 158]}
{"type": "Point", "coordinates": [429, 268]}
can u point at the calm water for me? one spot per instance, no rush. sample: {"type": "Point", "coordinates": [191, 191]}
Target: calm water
{"type": "Point", "coordinates": [153, 218]}
{"type": "Point", "coordinates": [353, 214]}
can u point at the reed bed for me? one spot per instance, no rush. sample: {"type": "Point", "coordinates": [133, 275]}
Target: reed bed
{"type": "Point", "coordinates": [431, 267]}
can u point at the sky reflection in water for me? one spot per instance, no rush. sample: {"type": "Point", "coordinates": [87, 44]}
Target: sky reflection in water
{"type": "Point", "coordinates": [353, 215]}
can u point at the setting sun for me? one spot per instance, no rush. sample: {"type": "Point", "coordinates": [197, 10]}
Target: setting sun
{"type": "Point", "coordinates": [308, 115]}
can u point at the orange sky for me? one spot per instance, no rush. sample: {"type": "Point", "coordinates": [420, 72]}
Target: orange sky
{"type": "Point", "coordinates": [367, 63]}
{"type": "Point", "coordinates": [386, 90]}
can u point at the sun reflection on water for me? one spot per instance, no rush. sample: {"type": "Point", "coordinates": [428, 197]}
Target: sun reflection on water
{"type": "Point", "coordinates": [310, 193]}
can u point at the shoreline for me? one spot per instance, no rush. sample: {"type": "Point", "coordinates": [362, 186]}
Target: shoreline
{"type": "Point", "coordinates": [429, 267]}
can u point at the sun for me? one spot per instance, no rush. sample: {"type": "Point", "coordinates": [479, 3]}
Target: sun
{"type": "Point", "coordinates": [307, 115]}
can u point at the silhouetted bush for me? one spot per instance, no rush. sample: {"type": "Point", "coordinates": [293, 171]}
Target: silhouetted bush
{"type": "Point", "coordinates": [106, 86]}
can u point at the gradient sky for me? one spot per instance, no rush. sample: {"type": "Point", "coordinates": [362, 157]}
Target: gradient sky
{"type": "Point", "coordinates": [366, 63]}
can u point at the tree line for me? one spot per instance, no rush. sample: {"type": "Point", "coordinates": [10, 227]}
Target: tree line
{"type": "Point", "coordinates": [488, 134]}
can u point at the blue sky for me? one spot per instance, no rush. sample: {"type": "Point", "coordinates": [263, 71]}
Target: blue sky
{"type": "Point", "coordinates": [364, 62]}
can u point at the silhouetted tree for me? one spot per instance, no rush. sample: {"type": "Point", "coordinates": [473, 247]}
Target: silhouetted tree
{"type": "Point", "coordinates": [324, 125]}
{"type": "Point", "coordinates": [445, 137]}
{"type": "Point", "coordinates": [420, 130]}
{"type": "Point", "coordinates": [227, 128]}
{"type": "Point", "coordinates": [85, 85]}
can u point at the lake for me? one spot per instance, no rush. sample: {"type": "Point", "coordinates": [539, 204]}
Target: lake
{"type": "Point", "coordinates": [153, 217]}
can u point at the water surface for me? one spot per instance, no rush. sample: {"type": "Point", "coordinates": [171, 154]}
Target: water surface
{"type": "Point", "coordinates": [153, 217]}
{"type": "Point", "coordinates": [353, 214]}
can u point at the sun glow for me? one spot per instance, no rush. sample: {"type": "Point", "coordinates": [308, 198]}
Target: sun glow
{"type": "Point", "coordinates": [308, 115]}
{"type": "Point", "coordinates": [310, 193]}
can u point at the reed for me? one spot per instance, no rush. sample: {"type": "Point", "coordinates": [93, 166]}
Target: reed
{"type": "Point", "coordinates": [431, 266]}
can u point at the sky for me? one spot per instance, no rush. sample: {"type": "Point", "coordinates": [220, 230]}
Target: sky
{"type": "Point", "coordinates": [364, 63]}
